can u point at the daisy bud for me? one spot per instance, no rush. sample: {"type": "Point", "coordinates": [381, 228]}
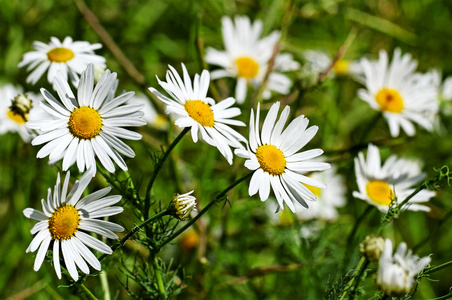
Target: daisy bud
{"type": "Point", "coordinates": [21, 105]}
{"type": "Point", "coordinates": [183, 205]}
{"type": "Point", "coordinates": [372, 247]}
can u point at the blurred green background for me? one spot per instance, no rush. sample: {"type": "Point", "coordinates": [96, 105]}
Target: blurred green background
{"type": "Point", "coordinates": [241, 254]}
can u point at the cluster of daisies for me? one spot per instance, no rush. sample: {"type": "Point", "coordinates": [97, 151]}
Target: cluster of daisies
{"type": "Point", "coordinates": [87, 126]}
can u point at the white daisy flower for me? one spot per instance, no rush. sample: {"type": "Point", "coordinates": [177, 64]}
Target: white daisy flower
{"type": "Point", "coordinates": [396, 272]}
{"type": "Point", "coordinates": [67, 221]}
{"type": "Point", "coordinates": [10, 120]}
{"type": "Point", "coordinates": [89, 125]}
{"type": "Point", "coordinates": [328, 200]}
{"type": "Point", "coordinates": [274, 158]}
{"type": "Point", "coordinates": [247, 57]}
{"type": "Point", "coordinates": [68, 57]}
{"type": "Point", "coordinates": [378, 184]}
{"type": "Point", "coordinates": [318, 62]}
{"type": "Point", "coordinates": [402, 95]}
{"type": "Point", "coordinates": [194, 109]}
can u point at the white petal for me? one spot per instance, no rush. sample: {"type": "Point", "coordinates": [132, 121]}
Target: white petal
{"type": "Point", "coordinates": [93, 243]}
{"type": "Point", "coordinates": [68, 256]}
{"type": "Point", "coordinates": [42, 252]}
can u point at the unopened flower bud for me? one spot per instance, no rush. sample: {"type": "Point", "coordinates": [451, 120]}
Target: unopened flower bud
{"type": "Point", "coordinates": [21, 105]}
{"type": "Point", "coordinates": [372, 247]}
{"type": "Point", "coordinates": [183, 205]}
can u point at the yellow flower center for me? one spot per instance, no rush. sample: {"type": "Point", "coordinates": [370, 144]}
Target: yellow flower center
{"type": "Point", "coordinates": [271, 159]}
{"type": "Point", "coordinates": [60, 55]}
{"type": "Point", "coordinates": [389, 100]}
{"type": "Point", "coordinates": [315, 190]}
{"type": "Point", "coordinates": [64, 222]}
{"type": "Point", "coordinates": [379, 192]}
{"type": "Point", "coordinates": [247, 67]}
{"type": "Point", "coordinates": [85, 122]}
{"type": "Point", "coordinates": [200, 112]}
{"type": "Point", "coordinates": [341, 67]}
{"type": "Point", "coordinates": [16, 117]}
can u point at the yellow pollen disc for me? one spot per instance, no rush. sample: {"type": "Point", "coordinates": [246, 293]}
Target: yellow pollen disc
{"type": "Point", "coordinates": [85, 122]}
{"type": "Point", "coordinates": [200, 112]}
{"type": "Point", "coordinates": [379, 192]}
{"type": "Point", "coordinates": [271, 159]}
{"type": "Point", "coordinates": [315, 190]}
{"type": "Point", "coordinates": [16, 117]}
{"type": "Point", "coordinates": [341, 67]}
{"type": "Point", "coordinates": [64, 222]}
{"type": "Point", "coordinates": [389, 100]}
{"type": "Point", "coordinates": [60, 55]}
{"type": "Point", "coordinates": [247, 67]}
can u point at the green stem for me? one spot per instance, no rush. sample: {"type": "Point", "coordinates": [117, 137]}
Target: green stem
{"type": "Point", "coordinates": [158, 276]}
{"type": "Point", "coordinates": [426, 184]}
{"type": "Point", "coordinates": [357, 223]}
{"type": "Point", "coordinates": [199, 45]}
{"type": "Point", "coordinates": [437, 268]}
{"type": "Point", "coordinates": [448, 296]}
{"type": "Point", "coordinates": [366, 129]}
{"type": "Point", "coordinates": [112, 181]}
{"type": "Point", "coordinates": [361, 265]}
{"type": "Point", "coordinates": [131, 185]}
{"type": "Point", "coordinates": [380, 24]}
{"type": "Point", "coordinates": [158, 167]}
{"type": "Point", "coordinates": [432, 232]}
{"type": "Point", "coordinates": [431, 183]}
{"type": "Point", "coordinates": [263, 85]}
{"type": "Point", "coordinates": [360, 277]}
{"type": "Point", "coordinates": [204, 210]}
{"type": "Point", "coordinates": [105, 285]}
{"type": "Point", "coordinates": [136, 228]}
{"type": "Point", "coordinates": [87, 292]}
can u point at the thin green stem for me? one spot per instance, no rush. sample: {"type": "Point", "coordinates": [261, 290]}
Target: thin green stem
{"type": "Point", "coordinates": [204, 210]}
{"type": "Point", "coordinates": [263, 85]}
{"type": "Point", "coordinates": [112, 181]}
{"type": "Point", "coordinates": [428, 184]}
{"type": "Point", "coordinates": [136, 229]}
{"type": "Point", "coordinates": [360, 267]}
{"type": "Point", "coordinates": [131, 185]}
{"type": "Point", "coordinates": [158, 167]}
{"type": "Point", "coordinates": [358, 147]}
{"type": "Point", "coordinates": [158, 275]}
{"type": "Point", "coordinates": [448, 296]}
{"type": "Point", "coordinates": [105, 285]}
{"type": "Point", "coordinates": [87, 292]}
{"type": "Point", "coordinates": [339, 54]}
{"type": "Point", "coordinates": [121, 58]}
{"type": "Point", "coordinates": [416, 191]}
{"type": "Point", "coordinates": [357, 223]}
{"type": "Point", "coordinates": [359, 277]}
{"type": "Point", "coordinates": [366, 129]}
{"type": "Point", "coordinates": [433, 231]}
{"type": "Point", "coordinates": [199, 45]}
{"type": "Point", "coordinates": [437, 268]}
